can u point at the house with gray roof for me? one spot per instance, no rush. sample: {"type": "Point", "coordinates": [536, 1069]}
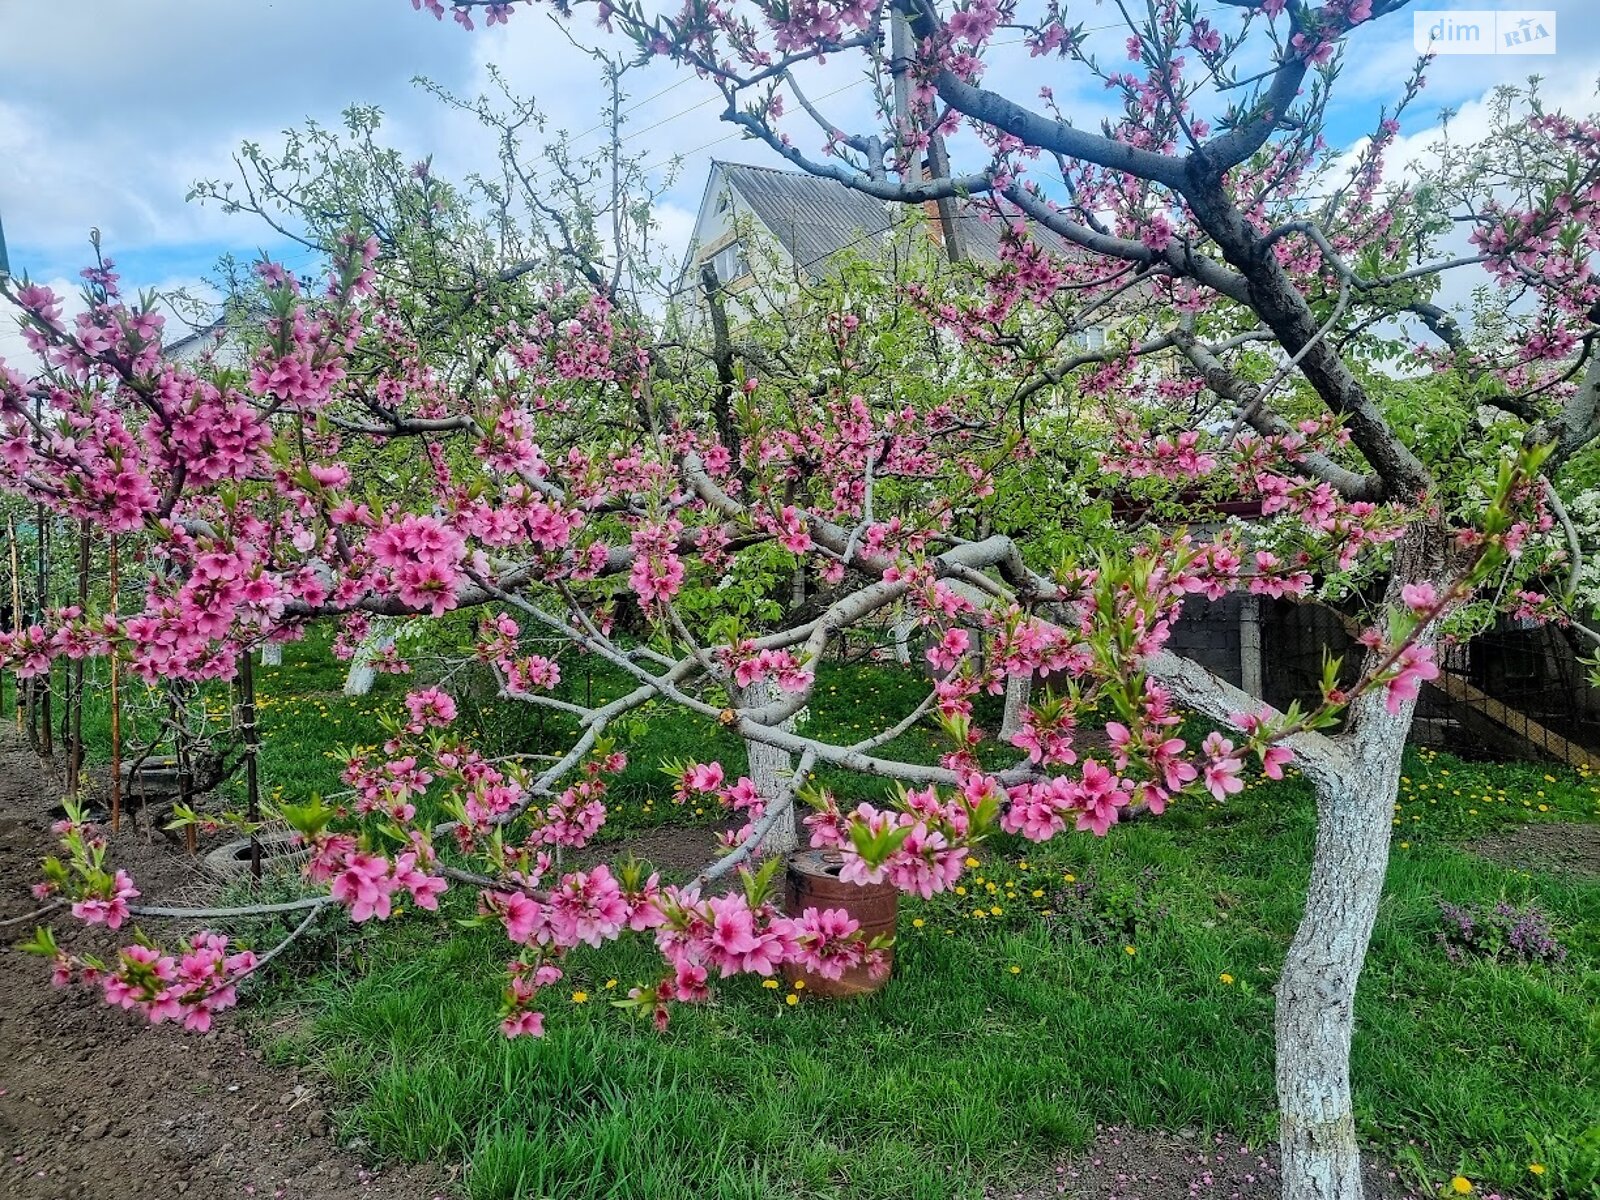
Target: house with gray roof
{"type": "Point", "coordinates": [805, 221]}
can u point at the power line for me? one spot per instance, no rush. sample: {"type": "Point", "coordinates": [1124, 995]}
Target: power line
{"type": "Point", "coordinates": [540, 176]}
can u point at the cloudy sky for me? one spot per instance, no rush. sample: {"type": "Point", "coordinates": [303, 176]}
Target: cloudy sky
{"type": "Point", "coordinates": [111, 109]}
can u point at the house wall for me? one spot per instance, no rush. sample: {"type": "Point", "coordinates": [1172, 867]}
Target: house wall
{"type": "Point", "coordinates": [717, 225]}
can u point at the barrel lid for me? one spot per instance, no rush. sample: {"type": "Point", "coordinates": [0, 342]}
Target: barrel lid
{"type": "Point", "coordinates": [825, 862]}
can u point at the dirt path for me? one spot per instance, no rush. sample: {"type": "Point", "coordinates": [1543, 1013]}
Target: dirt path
{"type": "Point", "coordinates": [96, 1105]}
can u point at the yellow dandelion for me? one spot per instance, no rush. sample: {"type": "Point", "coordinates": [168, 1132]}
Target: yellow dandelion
{"type": "Point", "coordinates": [961, 891]}
{"type": "Point", "coordinates": [1460, 1185]}
{"type": "Point", "coordinates": [970, 861]}
{"type": "Point", "coordinates": [580, 997]}
{"type": "Point", "coordinates": [996, 910]}
{"type": "Point", "coordinates": [770, 983]}
{"type": "Point", "coordinates": [791, 999]}
{"type": "Point", "coordinates": [1536, 1168]}
{"type": "Point", "coordinates": [799, 985]}
{"type": "Point", "coordinates": [1016, 970]}
{"type": "Point", "coordinates": [1130, 951]}
{"type": "Point", "coordinates": [917, 923]}
{"type": "Point", "coordinates": [610, 983]}
{"type": "Point", "coordinates": [1226, 978]}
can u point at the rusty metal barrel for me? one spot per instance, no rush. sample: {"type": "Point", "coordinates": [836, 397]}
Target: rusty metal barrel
{"type": "Point", "coordinates": [812, 881]}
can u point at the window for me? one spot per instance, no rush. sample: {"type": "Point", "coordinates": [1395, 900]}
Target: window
{"type": "Point", "coordinates": [729, 263]}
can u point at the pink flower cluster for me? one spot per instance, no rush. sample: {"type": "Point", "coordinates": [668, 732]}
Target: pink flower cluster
{"type": "Point", "coordinates": [191, 987]}
{"type": "Point", "coordinates": [106, 904]}
{"type": "Point", "coordinates": [585, 907]}
{"type": "Point", "coordinates": [657, 571]}
{"type": "Point", "coordinates": [1039, 811]}
{"type": "Point", "coordinates": [751, 666]}
{"type": "Point", "coordinates": [365, 883]}
{"type": "Point", "coordinates": [423, 557]}
{"type": "Point", "coordinates": [922, 844]}
{"type": "Point", "coordinates": [429, 709]}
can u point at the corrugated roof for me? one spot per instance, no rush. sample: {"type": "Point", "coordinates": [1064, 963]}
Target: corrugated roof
{"type": "Point", "coordinates": [815, 217]}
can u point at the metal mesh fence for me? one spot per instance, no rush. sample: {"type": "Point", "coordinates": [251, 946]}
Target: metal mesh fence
{"type": "Point", "coordinates": [1519, 691]}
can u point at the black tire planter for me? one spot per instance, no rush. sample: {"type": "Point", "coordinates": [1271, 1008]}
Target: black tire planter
{"type": "Point", "coordinates": [279, 853]}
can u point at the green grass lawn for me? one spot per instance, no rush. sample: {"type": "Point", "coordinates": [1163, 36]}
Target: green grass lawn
{"type": "Point", "coordinates": [1126, 979]}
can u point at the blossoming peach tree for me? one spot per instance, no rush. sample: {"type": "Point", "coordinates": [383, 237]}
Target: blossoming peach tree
{"type": "Point", "coordinates": [570, 481]}
{"type": "Point", "coordinates": [1214, 193]}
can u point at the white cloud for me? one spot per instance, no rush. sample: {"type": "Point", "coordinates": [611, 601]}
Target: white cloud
{"type": "Point", "coordinates": [176, 87]}
{"type": "Point", "coordinates": [15, 352]}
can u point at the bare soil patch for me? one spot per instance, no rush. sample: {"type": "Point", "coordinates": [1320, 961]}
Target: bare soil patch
{"type": "Point", "coordinates": [96, 1105]}
{"type": "Point", "coordinates": [1142, 1164]}
{"type": "Point", "coordinates": [1569, 848]}
{"type": "Point", "coordinates": [677, 851]}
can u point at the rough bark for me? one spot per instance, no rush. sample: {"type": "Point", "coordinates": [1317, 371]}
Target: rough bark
{"type": "Point", "coordinates": [362, 673]}
{"type": "Point", "coordinates": [1316, 992]}
{"type": "Point", "coordinates": [1019, 694]}
{"type": "Point", "coordinates": [771, 768]}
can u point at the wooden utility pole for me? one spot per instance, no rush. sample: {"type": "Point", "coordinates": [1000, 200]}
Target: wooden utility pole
{"type": "Point", "coordinates": [937, 165]}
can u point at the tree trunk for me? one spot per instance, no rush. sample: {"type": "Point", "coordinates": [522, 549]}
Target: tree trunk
{"type": "Point", "coordinates": [771, 769]}
{"type": "Point", "coordinates": [362, 674]}
{"type": "Point", "coordinates": [1019, 694]}
{"type": "Point", "coordinates": [902, 631]}
{"type": "Point", "coordinates": [272, 654]}
{"type": "Point", "coordinates": [1316, 992]}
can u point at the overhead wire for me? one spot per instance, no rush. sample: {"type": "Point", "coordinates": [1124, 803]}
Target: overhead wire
{"type": "Point", "coordinates": [633, 135]}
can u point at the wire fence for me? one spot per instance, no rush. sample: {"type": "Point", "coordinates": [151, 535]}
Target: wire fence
{"type": "Point", "coordinates": [1519, 691]}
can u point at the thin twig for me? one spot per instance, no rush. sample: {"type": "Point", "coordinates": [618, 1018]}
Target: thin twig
{"type": "Point", "coordinates": [33, 916]}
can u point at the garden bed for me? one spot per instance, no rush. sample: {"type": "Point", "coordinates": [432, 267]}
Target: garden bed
{"type": "Point", "coordinates": [97, 1105]}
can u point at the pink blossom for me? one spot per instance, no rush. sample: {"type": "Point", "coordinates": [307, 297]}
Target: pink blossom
{"type": "Point", "coordinates": [1420, 598]}
{"type": "Point", "coordinates": [1411, 670]}
{"type": "Point", "coordinates": [523, 1023]}
{"type": "Point", "coordinates": [703, 777]}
